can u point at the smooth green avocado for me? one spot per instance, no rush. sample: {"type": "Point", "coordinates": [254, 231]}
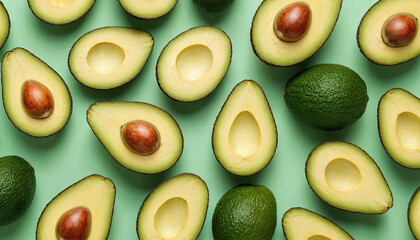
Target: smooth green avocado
{"type": "Point", "coordinates": [213, 5]}
{"type": "Point", "coordinates": [300, 223]}
{"type": "Point", "coordinates": [95, 194]}
{"type": "Point", "coordinates": [4, 24]}
{"type": "Point", "coordinates": [388, 32]}
{"type": "Point", "coordinates": [37, 100]}
{"type": "Point", "coordinates": [326, 96]}
{"type": "Point", "coordinates": [245, 212]}
{"type": "Point", "coordinates": [17, 188]}
{"type": "Point", "coordinates": [146, 9]}
{"type": "Point", "coordinates": [346, 177]}
{"type": "Point", "coordinates": [271, 49]}
{"type": "Point", "coordinates": [176, 209]}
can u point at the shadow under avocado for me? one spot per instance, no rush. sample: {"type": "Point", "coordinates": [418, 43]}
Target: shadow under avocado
{"type": "Point", "coordinates": [9, 231]}
{"type": "Point", "coordinates": [407, 174]}
{"type": "Point", "coordinates": [389, 72]}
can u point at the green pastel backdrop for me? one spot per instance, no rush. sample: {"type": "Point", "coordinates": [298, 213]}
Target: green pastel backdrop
{"type": "Point", "coordinates": [75, 152]}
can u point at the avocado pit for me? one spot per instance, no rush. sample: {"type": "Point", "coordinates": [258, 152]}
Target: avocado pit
{"type": "Point", "coordinates": [342, 175]}
{"type": "Point", "coordinates": [37, 99]}
{"type": "Point", "coordinates": [105, 57]}
{"type": "Point", "coordinates": [74, 224]}
{"type": "Point", "coordinates": [399, 30]}
{"type": "Point", "coordinates": [171, 217]}
{"type": "Point", "coordinates": [140, 136]}
{"type": "Point", "coordinates": [292, 22]}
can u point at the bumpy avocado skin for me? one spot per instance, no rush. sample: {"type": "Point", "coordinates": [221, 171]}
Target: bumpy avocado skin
{"type": "Point", "coordinates": [213, 5]}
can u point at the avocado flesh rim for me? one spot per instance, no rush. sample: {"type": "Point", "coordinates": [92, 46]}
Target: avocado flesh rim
{"type": "Point", "coordinates": [413, 213]}
{"type": "Point", "coordinates": [146, 9]}
{"type": "Point", "coordinates": [399, 125]}
{"type": "Point", "coordinates": [5, 24]}
{"type": "Point", "coordinates": [370, 29]}
{"type": "Point", "coordinates": [354, 184]}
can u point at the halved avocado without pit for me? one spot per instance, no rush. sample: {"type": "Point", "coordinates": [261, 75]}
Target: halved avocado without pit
{"type": "Point", "coordinates": [146, 9]}
{"type": "Point", "coordinates": [176, 209]}
{"type": "Point", "coordinates": [414, 214]}
{"type": "Point", "coordinates": [4, 24]}
{"type": "Point", "coordinates": [245, 134]}
{"type": "Point", "coordinates": [139, 136]}
{"type": "Point", "coordinates": [388, 32]}
{"type": "Point", "coordinates": [60, 12]}
{"type": "Point", "coordinates": [399, 126]}
{"type": "Point", "coordinates": [36, 99]}
{"type": "Point", "coordinates": [82, 211]}
{"type": "Point", "coordinates": [109, 57]}
{"type": "Point", "coordinates": [193, 64]}
{"type": "Point", "coordinates": [304, 32]}
{"type": "Point", "coordinates": [346, 177]}
{"type": "Point", "coordinates": [300, 223]}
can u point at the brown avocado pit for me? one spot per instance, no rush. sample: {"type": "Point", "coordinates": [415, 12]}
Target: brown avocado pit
{"type": "Point", "coordinates": [37, 99]}
{"type": "Point", "coordinates": [140, 136]}
{"type": "Point", "coordinates": [74, 224]}
{"type": "Point", "coordinates": [292, 21]}
{"type": "Point", "coordinates": [399, 30]}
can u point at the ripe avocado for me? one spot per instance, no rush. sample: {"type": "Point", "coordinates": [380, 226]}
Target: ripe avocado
{"type": "Point", "coordinates": [414, 214]}
{"type": "Point", "coordinates": [327, 96]}
{"type": "Point", "coordinates": [108, 121]}
{"type": "Point", "coordinates": [213, 5]}
{"type": "Point", "coordinates": [37, 101]}
{"type": "Point", "coordinates": [370, 34]}
{"type": "Point", "coordinates": [300, 223]}
{"type": "Point", "coordinates": [17, 184]}
{"type": "Point", "coordinates": [146, 9]}
{"type": "Point", "coordinates": [245, 134]}
{"type": "Point", "coordinates": [4, 24]}
{"type": "Point", "coordinates": [193, 64]}
{"type": "Point", "coordinates": [94, 193]}
{"type": "Point", "coordinates": [176, 209]}
{"type": "Point", "coordinates": [245, 212]}
{"type": "Point", "coordinates": [109, 57]}
{"type": "Point", "coordinates": [274, 51]}
{"type": "Point", "coordinates": [399, 126]}
{"type": "Point", "coordinates": [346, 177]}
{"type": "Point", "coordinates": [60, 12]}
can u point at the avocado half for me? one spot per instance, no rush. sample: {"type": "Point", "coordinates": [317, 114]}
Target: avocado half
{"type": "Point", "coordinates": [193, 64]}
{"type": "Point", "coordinates": [109, 57]}
{"type": "Point", "coordinates": [106, 120]}
{"type": "Point", "coordinates": [95, 192]}
{"type": "Point", "coordinates": [60, 12]}
{"type": "Point", "coordinates": [399, 126]}
{"type": "Point", "coordinates": [30, 68]}
{"type": "Point", "coordinates": [346, 177]}
{"type": "Point", "coordinates": [146, 9]}
{"type": "Point", "coordinates": [245, 133]}
{"type": "Point", "coordinates": [176, 209]}
{"type": "Point", "coordinates": [4, 24]}
{"type": "Point", "coordinates": [414, 214]}
{"type": "Point", "coordinates": [369, 32]}
{"type": "Point", "coordinates": [301, 223]}
{"type": "Point", "coordinates": [273, 51]}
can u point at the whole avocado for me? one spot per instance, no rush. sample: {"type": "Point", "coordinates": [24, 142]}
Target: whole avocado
{"type": "Point", "coordinates": [246, 212]}
{"type": "Point", "coordinates": [213, 5]}
{"type": "Point", "coordinates": [17, 188]}
{"type": "Point", "coordinates": [327, 96]}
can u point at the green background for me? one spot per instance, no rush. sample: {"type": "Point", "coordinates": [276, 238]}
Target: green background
{"type": "Point", "coordinates": [75, 152]}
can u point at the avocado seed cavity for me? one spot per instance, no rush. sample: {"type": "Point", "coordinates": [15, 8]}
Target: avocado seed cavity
{"type": "Point", "coordinates": [245, 135]}
{"type": "Point", "coordinates": [141, 137]}
{"type": "Point", "coordinates": [342, 175]}
{"type": "Point", "coordinates": [60, 3]}
{"type": "Point", "coordinates": [399, 30]}
{"type": "Point", "coordinates": [105, 57]}
{"type": "Point", "coordinates": [74, 224]}
{"type": "Point", "coordinates": [194, 61]}
{"type": "Point", "coordinates": [37, 99]}
{"type": "Point", "coordinates": [318, 237]}
{"type": "Point", "coordinates": [171, 217]}
{"type": "Point", "coordinates": [292, 22]}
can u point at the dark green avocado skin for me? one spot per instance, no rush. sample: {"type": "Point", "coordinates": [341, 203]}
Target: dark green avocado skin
{"type": "Point", "coordinates": [213, 5]}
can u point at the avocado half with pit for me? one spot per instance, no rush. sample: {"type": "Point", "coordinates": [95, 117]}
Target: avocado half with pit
{"type": "Point", "coordinates": [60, 12]}
{"type": "Point", "coordinates": [300, 223]}
{"type": "Point", "coordinates": [388, 32]}
{"type": "Point", "coordinates": [146, 9]}
{"type": "Point", "coordinates": [414, 214]}
{"type": "Point", "coordinates": [109, 57]}
{"type": "Point", "coordinates": [399, 126]}
{"type": "Point", "coordinates": [346, 177]}
{"type": "Point", "coordinates": [36, 99]}
{"type": "Point", "coordinates": [4, 24]}
{"type": "Point", "coordinates": [82, 211]}
{"type": "Point", "coordinates": [139, 136]}
{"type": "Point", "coordinates": [193, 64]}
{"type": "Point", "coordinates": [287, 32]}
{"type": "Point", "coordinates": [176, 209]}
{"type": "Point", "coordinates": [245, 133]}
